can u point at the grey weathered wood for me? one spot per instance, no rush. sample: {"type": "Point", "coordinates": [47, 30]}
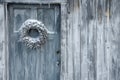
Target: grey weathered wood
{"type": "Point", "coordinates": [2, 42]}
{"type": "Point", "coordinates": [101, 21]}
{"type": "Point", "coordinates": [70, 70]}
{"type": "Point", "coordinates": [39, 64]}
{"type": "Point", "coordinates": [73, 41]}
{"type": "Point", "coordinates": [1, 1]}
{"type": "Point", "coordinates": [63, 74]}
{"type": "Point", "coordinates": [89, 40]}
{"type": "Point", "coordinates": [35, 1]}
{"type": "Point", "coordinates": [113, 34]}
{"type": "Point", "coordinates": [76, 38]}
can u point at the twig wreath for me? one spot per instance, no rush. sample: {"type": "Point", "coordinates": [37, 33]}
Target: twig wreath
{"type": "Point", "coordinates": [30, 27]}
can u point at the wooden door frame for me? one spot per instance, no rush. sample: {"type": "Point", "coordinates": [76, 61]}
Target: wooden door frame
{"type": "Point", "coordinates": [63, 39]}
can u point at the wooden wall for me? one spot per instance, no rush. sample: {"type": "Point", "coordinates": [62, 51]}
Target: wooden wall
{"type": "Point", "coordinates": [93, 43]}
{"type": "Point", "coordinates": [92, 40]}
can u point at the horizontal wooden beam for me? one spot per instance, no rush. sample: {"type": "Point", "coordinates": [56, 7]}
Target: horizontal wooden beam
{"type": "Point", "coordinates": [34, 1]}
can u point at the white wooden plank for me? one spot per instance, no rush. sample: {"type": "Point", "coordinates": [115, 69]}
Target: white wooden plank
{"type": "Point", "coordinates": [2, 43]}
{"type": "Point", "coordinates": [63, 74]}
{"type": "Point", "coordinates": [76, 40]}
{"type": "Point", "coordinates": [70, 43]}
{"type": "Point", "coordinates": [88, 40]}
{"type": "Point", "coordinates": [102, 63]}
{"type": "Point", "coordinates": [113, 42]}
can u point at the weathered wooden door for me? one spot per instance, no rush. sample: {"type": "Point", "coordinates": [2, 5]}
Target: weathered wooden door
{"type": "Point", "coordinates": [34, 64]}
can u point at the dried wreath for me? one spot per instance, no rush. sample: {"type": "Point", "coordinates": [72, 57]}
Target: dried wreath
{"type": "Point", "coordinates": [38, 28]}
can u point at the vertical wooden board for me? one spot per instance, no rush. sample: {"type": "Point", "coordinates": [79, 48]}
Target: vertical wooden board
{"type": "Point", "coordinates": [64, 46]}
{"type": "Point", "coordinates": [17, 17]}
{"type": "Point", "coordinates": [2, 42]}
{"type": "Point", "coordinates": [101, 19]}
{"type": "Point", "coordinates": [58, 44]}
{"type": "Point", "coordinates": [88, 40]}
{"type": "Point", "coordinates": [83, 41]}
{"type": "Point", "coordinates": [76, 39]}
{"type": "Point", "coordinates": [51, 18]}
{"type": "Point", "coordinates": [27, 64]}
{"type": "Point", "coordinates": [91, 40]}
{"type": "Point", "coordinates": [70, 57]}
{"type": "Point", "coordinates": [108, 33]}
{"type": "Point", "coordinates": [113, 31]}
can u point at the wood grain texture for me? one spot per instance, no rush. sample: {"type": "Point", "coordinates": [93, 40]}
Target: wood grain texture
{"type": "Point", "coordinates": [2, 42]}
{"type": "Point", "coordinates": [113, 34]}
{"type": "Point", "coordinates": [42, 63]}
{"type": "Point", "coordinates": [89, 40]}
{"type": "Point", "coordinates": [64, 59]}
{"type": "Point", "coordinates": [35, 1]}
{"type": "Point", "coordinates": [102, 62]}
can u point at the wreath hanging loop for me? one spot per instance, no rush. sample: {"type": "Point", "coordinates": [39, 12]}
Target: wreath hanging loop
{"type": "Point", "coordinates": [33, 33]}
